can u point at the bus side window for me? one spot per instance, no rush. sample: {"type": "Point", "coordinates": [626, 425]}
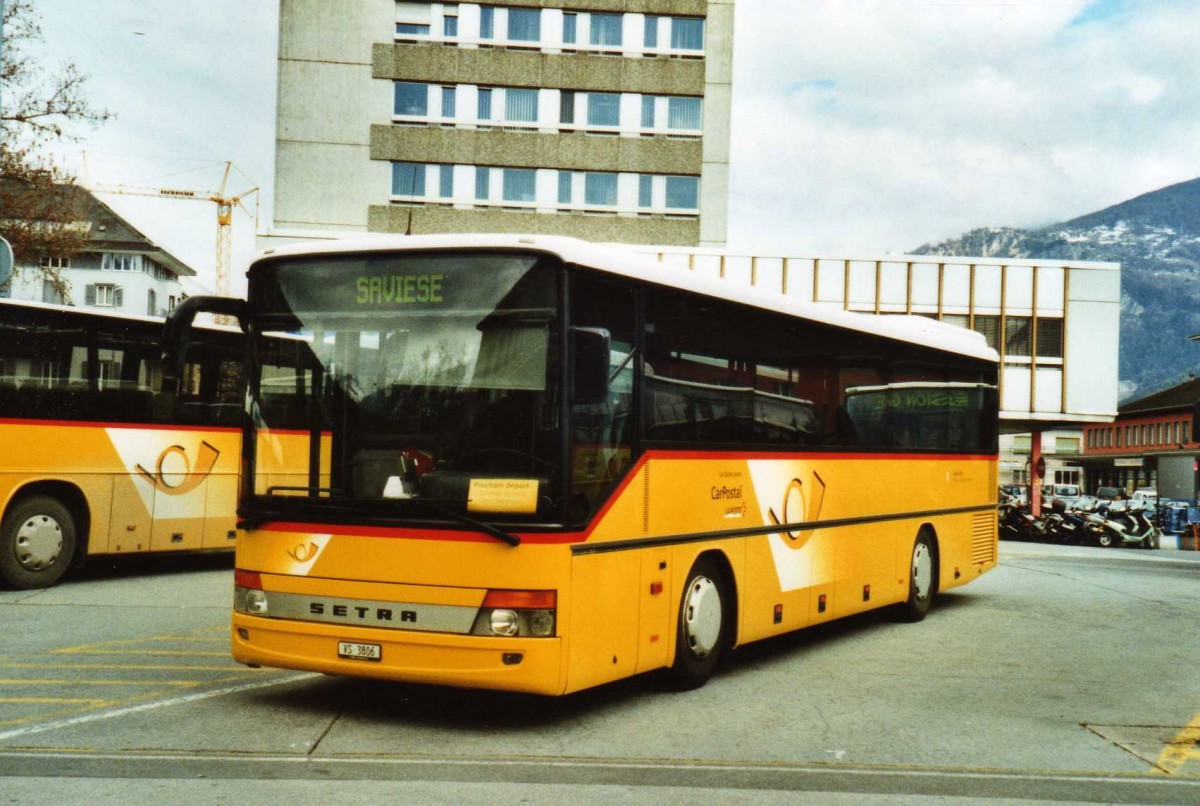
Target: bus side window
{"type": "Point", "coordinates": [601, 447]}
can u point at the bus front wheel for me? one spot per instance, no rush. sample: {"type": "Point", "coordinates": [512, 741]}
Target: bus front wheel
{"type": "Point", "coordinates": [703, 628]}
{"type": "Point", "coordinates": [922, 579]}
{"type": "Point", "coordinates": [37, 541]}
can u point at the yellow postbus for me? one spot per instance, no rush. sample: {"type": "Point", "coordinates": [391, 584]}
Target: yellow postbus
{"type": "Point", "coordinates": [536, 464]}
{"type": "Point", "coordinates": [93, 461]}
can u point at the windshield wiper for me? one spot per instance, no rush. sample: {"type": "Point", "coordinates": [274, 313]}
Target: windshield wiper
{"type": "Point", "coordinates": [466, 520]}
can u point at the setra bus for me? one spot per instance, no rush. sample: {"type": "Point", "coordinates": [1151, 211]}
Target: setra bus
{"type": "Point", "coordinates": [93, 461]}
{"type": "Point", "coordinates": [536, 464]}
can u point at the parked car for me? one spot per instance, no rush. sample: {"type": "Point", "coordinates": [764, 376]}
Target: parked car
{"type": "Point", "coordinates": [1110, 493]}
{"type": "Point", "coordinates": [1068, 493]}
{"type": "Point", "coordinates": [1147, 494]}
{"type": "Point", "coordinates": [1015, 492]}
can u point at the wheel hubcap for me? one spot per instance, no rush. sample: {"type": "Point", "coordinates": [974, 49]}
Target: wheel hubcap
{"type": "Point", "coordinates": [702, 616]}
{"type": "Point", "coordinates": [922, 571]}
{"type": "Point", "coordinates": [39, 543]}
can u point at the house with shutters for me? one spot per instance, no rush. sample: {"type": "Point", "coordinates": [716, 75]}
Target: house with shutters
{"type": "Point", "coordinates": [119, 268]}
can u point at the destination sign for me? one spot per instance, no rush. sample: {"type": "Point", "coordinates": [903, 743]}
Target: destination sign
{"type": "Point", "coordinates": [399, 289]}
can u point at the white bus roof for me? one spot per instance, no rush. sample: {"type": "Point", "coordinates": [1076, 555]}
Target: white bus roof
{"type": "Point", "coordinates": [118, 315]}
{"type": "Point", "coordinates": [621, 260]}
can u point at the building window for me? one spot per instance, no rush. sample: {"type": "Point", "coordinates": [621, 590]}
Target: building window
{"type": "Point", "coordinates": [487, 21]}
{"type": "Point", "coordinates": [104, 295]}
{"type": "Point", "coordinates": [151, 302]}
{"type": "Point", "coordinates": [648, 111]}
{"type": "Point", "coordinates": [524, 24]}
{"type": "Point", "coordinates": [411, 99]}
{"type": "Point", "coordinates": [450, 26]}
{"type": "Point", "coordinates": [1049, 338]}
{"type": "Point", "coordinates": [111, 262]}
{"type": "Point", "coordinates": [1066, 445]}
{"type": "Point", "coordinates": [446, 181]}
{"type": "Point", "coordinates": [683, 113]}
{"type": "Point", "coordinates": [1016, 336]}
{"type": "Point", "coordinates": [687, 33]}
{"type": "Point", "coordinates": [485, 104]}
{"type": "Point", "coordinates": [521, 105]}
{"type": "Point", "coordinates": [604, 109]}
{"type": "Point", "coordinates": [683, 192]}
{"type": "Point", "coordinates": [651, 40]}
{"type": "Point", "coordinates": [564, 187]}
{"type": "Point", "coordinates": [411, 29]}
{"type": "Point", "coordinates": [570, 27]}
{"type": "Point", "coordinates": [600, 189]}
{"type": "Point", "coordinates": [566, 107]}
{"type": "Point", "coordinates": [448, 102]}
{"type": "Point", "coordinates": [519, 184]}
{"type": "Point", "coordinates": [606, 30]}
{"type": "Point", "coordinates": [482, 183]}
{"type": "Point", "coordinates": [54, 262]}
{"type": "Point", "coordinates": [52, 293]}
{"type": "Point", "coordinates": [645, 190]}
{"type": "Point", "coordinates": [408, 179]}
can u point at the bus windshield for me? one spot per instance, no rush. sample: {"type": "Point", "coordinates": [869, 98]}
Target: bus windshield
{"type": "Point", "coordinates": [416, 382]}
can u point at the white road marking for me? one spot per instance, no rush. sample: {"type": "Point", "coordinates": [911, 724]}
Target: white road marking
{"type": "Point", "coordinates": [149, 706]}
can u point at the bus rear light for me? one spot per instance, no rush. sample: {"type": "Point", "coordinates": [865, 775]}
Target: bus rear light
{"type": "Point", "coordinates": [511, 613]}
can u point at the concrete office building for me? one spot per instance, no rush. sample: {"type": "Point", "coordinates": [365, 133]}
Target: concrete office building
{"type": "Point", "coordinates": [603, 119]}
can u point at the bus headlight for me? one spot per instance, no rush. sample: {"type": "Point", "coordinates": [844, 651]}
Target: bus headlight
{"type": "Point", "coordinates": [248, 594]}
{"type": "Point", "coordinates": [505, 622]}
{"type": "Point", "coordinates": [517, 614]}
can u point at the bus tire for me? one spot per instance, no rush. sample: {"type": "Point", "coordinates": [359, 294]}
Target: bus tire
{"type": "Point", "coordinates": [703, 627]}
{"type": "Point", "coordinates": [922, 579]}
{"type": "Point", "coordinates": [37, 542]}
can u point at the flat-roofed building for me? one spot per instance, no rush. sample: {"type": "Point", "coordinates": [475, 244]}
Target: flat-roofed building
{"type": "Point", "coordinates": [603, 119]}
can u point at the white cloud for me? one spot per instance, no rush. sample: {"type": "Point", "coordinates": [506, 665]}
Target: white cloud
{"type": "Point", "coordinates": [870, 126]}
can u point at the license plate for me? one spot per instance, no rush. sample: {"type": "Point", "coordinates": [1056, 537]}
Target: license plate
{"type": "Point", "coordinates": [347, 649]}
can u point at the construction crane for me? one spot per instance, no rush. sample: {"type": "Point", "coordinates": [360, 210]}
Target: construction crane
{"type": "Point", "coordinates": [225, 205]}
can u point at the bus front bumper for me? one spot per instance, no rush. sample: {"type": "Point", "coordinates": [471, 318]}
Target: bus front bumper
{"type": "Point", "coordinates": [509, 664]}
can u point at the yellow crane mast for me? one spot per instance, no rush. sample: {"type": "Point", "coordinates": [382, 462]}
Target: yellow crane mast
{"type": "Point", "coordinates": [225, 205]}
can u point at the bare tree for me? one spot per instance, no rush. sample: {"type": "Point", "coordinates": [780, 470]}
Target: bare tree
{"type": "Point", "coordinates": [41, 211]}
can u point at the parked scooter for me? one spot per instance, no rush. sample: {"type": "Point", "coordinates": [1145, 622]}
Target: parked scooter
{"type": "Point", "coordinates": [1136, 527]}
{"type": "Point", "coordinates": [1015, 521]}
{"type": "Point", "coordinates": [1066, 525]}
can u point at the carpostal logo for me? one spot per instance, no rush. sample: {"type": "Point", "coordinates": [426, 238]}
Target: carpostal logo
{"type": "Point", "coordinates": [174, 474]}
{"type": "Point", "coordinates": [791, 496]}
{"type": "Point", "coordinates": [801, 504]}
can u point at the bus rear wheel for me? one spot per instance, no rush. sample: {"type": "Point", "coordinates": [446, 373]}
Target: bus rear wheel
{"type": "Point", "coordinates": [37, 541]}
{"type": "Point", "coordinates": [703, 627]}
{"type": "Point", "coordinates": [922, 579]}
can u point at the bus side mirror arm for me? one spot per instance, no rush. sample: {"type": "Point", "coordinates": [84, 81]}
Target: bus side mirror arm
{"type": "Point", "coordinates": [177, 332]}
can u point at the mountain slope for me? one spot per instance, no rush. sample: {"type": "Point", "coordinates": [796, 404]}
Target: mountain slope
{"type": "Point", "coordinates": [1156, 239]}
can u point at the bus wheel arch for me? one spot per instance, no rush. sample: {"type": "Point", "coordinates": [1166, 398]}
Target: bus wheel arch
{"type": "Point", "coordinates": [43, 531]}
{"type": "Point", "coordinates": [706, 621]}
{"type": "Point", "coordinates": [924, 575]}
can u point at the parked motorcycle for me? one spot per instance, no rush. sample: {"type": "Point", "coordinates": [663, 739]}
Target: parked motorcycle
{"type": "Point", "coordinates": [1015, 521]}
{"type": "Point", "coordinates": [1136, 527]}
{"type": "Point", "coordinates": [1066, 525]}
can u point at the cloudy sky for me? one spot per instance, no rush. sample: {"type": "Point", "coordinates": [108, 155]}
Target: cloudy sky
{"type": "Point", "coordinates": [859, 126]}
